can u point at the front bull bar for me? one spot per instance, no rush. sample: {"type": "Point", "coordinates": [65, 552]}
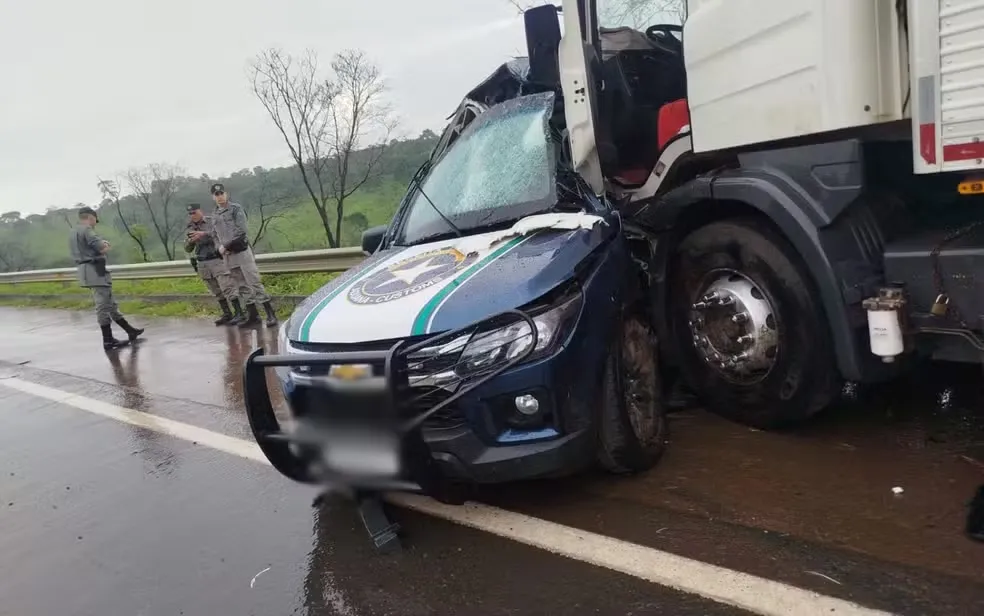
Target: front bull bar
{"type": "Point", "coordinates": [367, 397]}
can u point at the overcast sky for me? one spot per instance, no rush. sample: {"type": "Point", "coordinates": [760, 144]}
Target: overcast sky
{"type": "Point", "coordinates": [91, 88]}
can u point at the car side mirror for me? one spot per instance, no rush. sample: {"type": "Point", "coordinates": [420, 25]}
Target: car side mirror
{"type": "Point", "coordinates": [372, 238]}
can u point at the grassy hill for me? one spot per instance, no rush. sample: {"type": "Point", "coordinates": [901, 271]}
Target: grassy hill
{"type": "Point", "coordinates": [40, 241]}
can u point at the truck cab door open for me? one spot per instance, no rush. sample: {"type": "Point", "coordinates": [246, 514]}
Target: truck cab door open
{"type": "Point", "coordinates": [624, 87]}
{"type": "Point", "coordinates": [579, 57]}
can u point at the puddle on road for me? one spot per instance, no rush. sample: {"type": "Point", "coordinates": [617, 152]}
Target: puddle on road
{"type": "Point", "coordinates": [830, 481]}
{"type": "Point", "coordinates": [940, 407]}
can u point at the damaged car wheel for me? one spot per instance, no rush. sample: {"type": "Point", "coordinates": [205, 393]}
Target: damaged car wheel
{"type": "Point", "coordinates": [632, 425]}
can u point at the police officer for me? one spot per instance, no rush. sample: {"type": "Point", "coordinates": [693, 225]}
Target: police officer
{"type": "Point", "coordinates": [210, 265]}
{"type": "Point", "coordinates": [89, 251]}
{"type": "Point", "coordinates": [230, 233]}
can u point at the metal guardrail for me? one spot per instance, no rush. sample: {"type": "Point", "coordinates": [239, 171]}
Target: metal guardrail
{"type": "Point", "coordinates": [324, 260]}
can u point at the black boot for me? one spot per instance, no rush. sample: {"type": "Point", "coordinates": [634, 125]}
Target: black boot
{"type": "Point", "coordinates": [132, 332]}
{"type": "Point", "coordinates": [237, 313]}
{"type": "Point", "coordinates": [975, 517]}
{"type": "Point", "coordinates": [252, 317]}
{"type": "Point", "coordinates": [109, 342]}
{"type": "Point", "coordinates": [226, 314]}
{"type": "Point", "coordinates": [271, 315]}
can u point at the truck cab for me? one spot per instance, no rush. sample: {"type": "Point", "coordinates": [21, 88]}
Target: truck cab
{"type": "Point", "coordinates": [806, 176]}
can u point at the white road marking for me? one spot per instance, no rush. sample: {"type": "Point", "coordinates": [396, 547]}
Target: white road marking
{"type": "Point", "coordinates": [742, 590]}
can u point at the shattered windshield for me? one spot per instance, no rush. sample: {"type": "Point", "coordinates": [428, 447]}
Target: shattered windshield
{"type": "Point", "coordinates": [500, 169]}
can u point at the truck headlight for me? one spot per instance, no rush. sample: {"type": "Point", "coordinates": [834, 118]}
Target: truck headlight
{"type": "Point", "coordinates": [553, 324]}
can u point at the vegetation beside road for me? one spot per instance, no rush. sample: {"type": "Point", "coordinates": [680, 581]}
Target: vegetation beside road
{"type": "Point", "coordinates": [186, 309]}
{"type": "Point", "coordinates": [281, 217]}
{"type": "Point", "coordinates": [277, 285]}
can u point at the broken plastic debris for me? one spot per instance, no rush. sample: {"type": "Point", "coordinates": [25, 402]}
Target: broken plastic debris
{"type": "Point", "coordinates": [561, 220]}
{"type": "Point", "coordinates": [252, 583]}
{"type": "Point", "coordinates": [897, 490]}
{"type": "Point", "coordinates": [826, 577]}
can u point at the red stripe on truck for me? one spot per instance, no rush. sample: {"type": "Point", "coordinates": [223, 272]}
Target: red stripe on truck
{"type": "Point", "coordinates": [963, 151]}
{"type": "Point", "coordinates": [927, 143]}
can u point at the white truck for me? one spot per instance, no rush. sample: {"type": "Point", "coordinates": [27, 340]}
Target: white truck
{"type": "Point", "coordinates": [804, 178]}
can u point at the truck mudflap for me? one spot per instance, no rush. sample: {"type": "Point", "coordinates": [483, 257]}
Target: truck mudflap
{"type": "Point", "coordinates": [357, 419]}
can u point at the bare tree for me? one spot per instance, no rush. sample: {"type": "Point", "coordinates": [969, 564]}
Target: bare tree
{"type": "Point", "coordinates": [641, 14]}
{"type": "Point", "coordinates": [63, 213]}
{"type": "Point", "coordinates": [13, 253]}
{"type": "Point", "coordinates": [270, 204]}
{"type": "Point", "coordinates": [287, 239]}
{"type": "Point", "coordinates": [110, 190]}
{"type": "Point", "coordinates": [637, 14]}
{"type": "Point", "coordinates": [7, 256]}
{"type": "Point", "coordinates": [324, 122]}
{"type": "Point", "coordinates": [155, 185]}
{"type": "Point", "coordinates": [359, 113]}
{"type": "Point", "coordinates": [299, 103]}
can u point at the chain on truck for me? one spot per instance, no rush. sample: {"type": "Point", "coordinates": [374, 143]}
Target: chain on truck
{"type": "Point", "coordinates": [805, 176]}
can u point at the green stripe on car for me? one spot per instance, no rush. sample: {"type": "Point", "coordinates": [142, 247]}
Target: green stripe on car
{"type": "Point", "coordinates": [304, 334]}
{"type": "Point", "coordinates": [420, 324]}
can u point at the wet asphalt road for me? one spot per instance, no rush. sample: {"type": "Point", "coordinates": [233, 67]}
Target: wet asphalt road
{"type": "Point", "coordinates": [100, 517]}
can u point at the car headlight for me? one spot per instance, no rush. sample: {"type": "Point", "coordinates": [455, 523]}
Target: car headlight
{"type": "Point", "coordinates": [505, 344]}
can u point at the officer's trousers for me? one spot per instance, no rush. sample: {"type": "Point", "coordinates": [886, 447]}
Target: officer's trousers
{"type": "Point", "coordinates": [106, 309]}
{"type": "Point", "coordinates": [245, 274]}
{"type": "Point", "coordinates": [217, 278]}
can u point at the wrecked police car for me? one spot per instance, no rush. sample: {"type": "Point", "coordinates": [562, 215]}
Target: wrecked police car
{"type": "Point", "coordinates": [497, 332]}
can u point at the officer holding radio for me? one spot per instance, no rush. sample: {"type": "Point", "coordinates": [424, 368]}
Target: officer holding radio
{"type": "Point", "coordinates": [230, 233]}
{"type": "Point", "coordinates": [210, 266]}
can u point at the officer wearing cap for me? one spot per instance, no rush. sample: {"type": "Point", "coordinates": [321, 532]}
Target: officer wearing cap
{"type": "Point", "coordinates": [89, 252]}
{"type": "Point", "coordinates": [230, 233]}
{"type": "Point", "coordinates": [210, 266]}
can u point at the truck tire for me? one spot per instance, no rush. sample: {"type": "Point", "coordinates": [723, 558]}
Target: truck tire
{"type": "Point", "coordinates": [753, 339]}
{"type": "Point", "coordinates": [632, 427]}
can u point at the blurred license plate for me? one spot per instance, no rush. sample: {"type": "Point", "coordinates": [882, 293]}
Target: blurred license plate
{"type": "Point", "coordinates": [361, 453]}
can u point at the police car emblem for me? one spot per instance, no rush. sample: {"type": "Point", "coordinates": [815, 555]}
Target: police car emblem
{"type": "Point", "coordinates": [409, 276]}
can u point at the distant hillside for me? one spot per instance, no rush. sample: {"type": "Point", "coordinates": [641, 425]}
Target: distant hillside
{"type": "Point", "coordinates": [275, 199]}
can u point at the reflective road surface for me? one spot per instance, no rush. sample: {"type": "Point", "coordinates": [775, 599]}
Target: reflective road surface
{"type": "Point", "coordinates": [129, 485]}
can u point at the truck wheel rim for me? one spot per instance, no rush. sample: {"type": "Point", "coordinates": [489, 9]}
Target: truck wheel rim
{"type": "Point", "coordinates": [640, 382]}
{"type": "Point", "coordinates": [734, 327]}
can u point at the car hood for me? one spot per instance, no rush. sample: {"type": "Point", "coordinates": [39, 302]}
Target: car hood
{"type": "Point", "coordinates": [436, 287]}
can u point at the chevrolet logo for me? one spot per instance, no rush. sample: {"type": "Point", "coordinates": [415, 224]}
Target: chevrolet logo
{"type": "Point", "coordinates": [350, 372]}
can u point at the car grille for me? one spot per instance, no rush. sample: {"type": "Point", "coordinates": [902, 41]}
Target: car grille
{"type": "Point", "coordinates": [447, 418]}
{"type": "Point", "coordinates": [423, 365]}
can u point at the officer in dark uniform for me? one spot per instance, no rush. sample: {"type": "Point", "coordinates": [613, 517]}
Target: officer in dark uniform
{"type": "Point", "coordinates": [211, 266]}
{"type": "Point", "coordinates": [89, 252]}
